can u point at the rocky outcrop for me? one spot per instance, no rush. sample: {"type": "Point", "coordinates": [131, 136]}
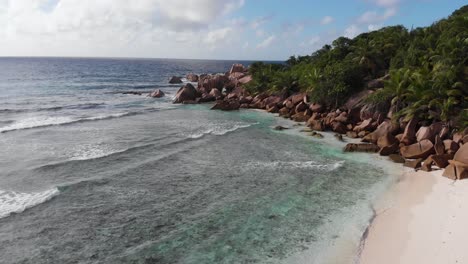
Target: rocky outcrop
{"type": "Point", "coordinates": [156, 94]}
{"type": "Point", "coordinates": [192, 77]}
{"type": "Point", "coordinates": [418, 150]}
{"type": "Point", "coordinates": [185, 93]}
{"type": "Point", "coordinates": [208, 82]}
{"type": "Point", "coordinates": [458, 168]}
{"type": "Point", "coordinates": [175, 80]}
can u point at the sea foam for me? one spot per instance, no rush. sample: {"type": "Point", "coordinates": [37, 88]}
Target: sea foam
{"type": "Point", "coordinates": [220, 129]}
{"type": "Point", "coordinates": [17, 202]}
{"type": "Point", "coordinates": [46, 121]}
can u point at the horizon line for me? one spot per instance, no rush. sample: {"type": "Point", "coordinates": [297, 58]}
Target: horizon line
{"type": "Point", "coordinates": [136, 58]}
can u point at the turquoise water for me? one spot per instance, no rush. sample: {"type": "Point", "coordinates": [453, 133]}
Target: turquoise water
{"type": "Point", "coordinates": [173, 184]}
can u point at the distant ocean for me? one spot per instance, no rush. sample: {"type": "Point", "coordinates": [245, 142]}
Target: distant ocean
{"type": "Point", "coordinates": [91, 175]}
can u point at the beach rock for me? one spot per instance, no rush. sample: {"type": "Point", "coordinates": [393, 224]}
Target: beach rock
{"type": "Point", "coordinates": [299, 97]}
{"type": "Point", "coordinates": [338, 127]}
{"type": "Point", "coordinates": [283, 111]}
{"type": "Point", "coordinates": [339, 137]}
{"type": "Point", "coordinates": [317, 108]}
{"type": "Point", "coordinates": [420, 149]}
{"type": "Point", "coordinates": [175, 80]}
{"type": "Point", "coordinates": [205, 98]}
{"type": "Point", "coordinates": [439, 145]}
{"type": "Point", "coordinates": [316, 134]}
{"type": "Point", "coordinates": [429, 132]}
{"type": "Point", "coordinates": [365, 125]}
{"type": "Point", "coordinates": [442, 161]}
{"type": "Point", "coordinates": [156, 94]}
{"type": "Point", "coordinates": [272, 109]}
{"type": "Point", "coordinates": [450, 146]}
{"type": "Point", "coordinates": [300, 117]}
{"type": "Point", "coordinates": [351, 134]}
{"type": "Point", "coordinates": [280, 128]}
{"type": "Point", "coordinates": [386, 140]}
{"type": "Point", "coordinates": [462, 154]}
{"type": "Point", "coordinates": [208, 82]}
{"type": "Point", "coordinates": [385, 128]}
{"type": "Point", "coordinates": [342, 118]}
{"type": "Point", "coordinates": [237, 68]}
{"type": "Point", "coordinates": [301, 107]}
{"type": "Point", "coordinates": [397, 158]}
{"type": "Point", "coordinates": [316, 124]}
{"type": "Point", "coordinates": [388, 150]}
{"type": "Point", "coordinates": [444, 132]}
{"type": "Point", "coordinates": [185, 93]}
{"type": "Point", "coordinates": [245, 99]}
{"type": "Point", "coordinates": [272, 100]}
{"type": "Point", "coordinates": [457, 137]}
{"type": "Point", "coordinates": [215, 93]}
{"type": "Point", "coordinates": [361, 147]}
{"type": "Point", "coordinates": [245, 80]}
{"type": "Point", "coordinates": [363, 133]}
{"type": "Point", "coordinates": [427, 164]}
{"type": "Point", "coordinates": [226, 105]}
{"type": "Point", "coordinates": [409, 135]}
{"type": "Point", "coordinates": [192, 77]}
{"type": "Point", "coordinates": [413, 163]}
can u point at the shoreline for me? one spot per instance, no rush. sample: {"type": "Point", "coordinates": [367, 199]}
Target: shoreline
{"type": "Point", "coordinates": [420, 220]}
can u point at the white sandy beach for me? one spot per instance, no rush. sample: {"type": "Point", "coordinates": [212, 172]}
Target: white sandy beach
{"type": "Point", "coordinates": [421, 220]}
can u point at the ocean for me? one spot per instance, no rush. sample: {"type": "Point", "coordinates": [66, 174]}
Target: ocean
{"type": "Point", "coordinates": [91, 175]}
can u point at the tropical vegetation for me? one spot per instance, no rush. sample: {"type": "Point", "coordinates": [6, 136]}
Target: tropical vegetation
{"type": "Point", "coordinates": [423, 71]}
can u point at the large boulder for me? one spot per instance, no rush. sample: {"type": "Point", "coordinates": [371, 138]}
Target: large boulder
{"type": "Point", "coordinates": [409, 135]}
{"type": "Point", "coordinates": [421, 149]}
{"type": "Point", "coordinates": [299, 97]}
{"type": "Point", "coordinates": [205, 98]}
{"type": "Point", "coordinates": [215, 93]}
{"type": "Point", "coordinates": [237, 68]}
{"type": "Point", "coordinates": [192, 77]}
{"type": "Point", "coordinates": [429, 132]}
{"type": "Point", "coordinates": [156, 94]}
{"type": "Point", "coordinates": [175, 80]}
{"type": "Point", "coordinates": [389, 150]}
{"type": "Point", "coordinates": [361, 147]}
{"type": "Point", "coordinates": [245, 79]}
{"type": "Point", "coordinates": [208, 82]}
{"type": "Point", "coordinates": [185, 93]}
{"type": "Point", "coordinates": [413, 163]}
{"type": "Point", "coordinates": [316, 124]}
{"type": "Point", "coordinates": [450, 146]}
{"type": "Point", "coordinates": [318, 108]}
{"type": "Point", "coordinates": [458, 168]}
{"type": "Point", "coordinates": [386, 140]}
{"type": "Point", "coordinates": [364, 126]}
{"type": "Point", "coordinates": [338, 127]}
{"type": "Point", "coordinates": [272, 100]}
{"type": "Point", "coordinates": [301, 107]}
{"type": "Point", "coordinates": [386, 127]}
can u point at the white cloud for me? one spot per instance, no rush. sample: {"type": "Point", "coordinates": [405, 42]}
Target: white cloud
{"type": "Point", "coordinates": [266, 42]}
{"type": "Point", "coordinates": [312, 42]}
{"type": "Point", "coordinates": [218, 35]}
{"type": "Point", "coordinates": [256, 23]}
{"type": "Point", "coordinates": [374, 17]}
{"type": "Point", "coordinates": [385, 3]}
{"type": "Point", "coordinates": [352, 31]}
{"type": "Point", "coordinates": [87, 27]}
{"type": "Point", "coordinates": [373, 27]}
{"type": "Point", "coordinates": [327, 20]}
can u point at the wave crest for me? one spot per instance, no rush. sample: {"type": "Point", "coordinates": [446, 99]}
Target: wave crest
{"type": "Point", "coordinates": [17, 202]}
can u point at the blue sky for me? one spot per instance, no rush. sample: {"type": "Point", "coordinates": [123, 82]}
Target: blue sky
{"type": "Point", "coordinates": [210, 29]}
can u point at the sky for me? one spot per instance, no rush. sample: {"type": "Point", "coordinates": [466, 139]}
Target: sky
{"type": "Point", "coordinates": [199, 29]}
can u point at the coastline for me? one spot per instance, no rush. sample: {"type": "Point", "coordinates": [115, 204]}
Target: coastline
{"type": "Point", "coordinates": [420, 220]}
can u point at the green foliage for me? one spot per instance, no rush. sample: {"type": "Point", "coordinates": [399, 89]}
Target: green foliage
{"type": "Point", "coordinates": [428, 69]}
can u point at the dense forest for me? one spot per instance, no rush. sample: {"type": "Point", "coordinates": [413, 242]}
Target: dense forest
{"type": "Point", "coordinates": [422, 72]}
